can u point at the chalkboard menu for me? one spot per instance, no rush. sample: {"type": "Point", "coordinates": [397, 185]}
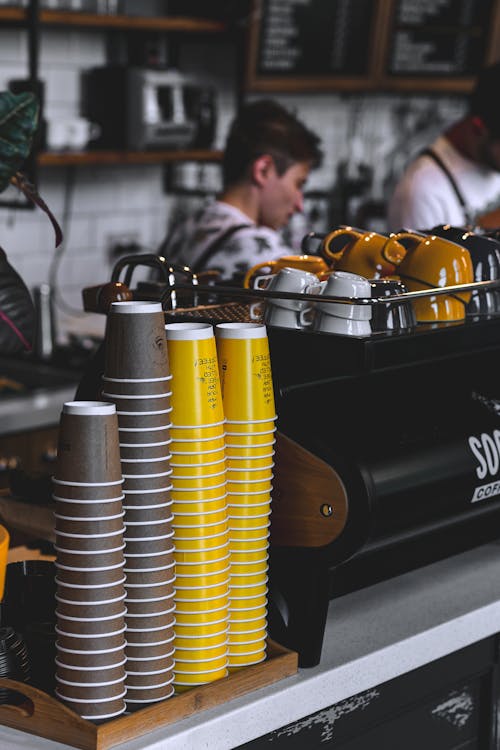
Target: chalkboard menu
{"type": "Point", "coordinates": [439, 37]}
{"type": "Point", "coordinates": [412, 45]}
{"type": "Point", "coordinates": [313, 40]}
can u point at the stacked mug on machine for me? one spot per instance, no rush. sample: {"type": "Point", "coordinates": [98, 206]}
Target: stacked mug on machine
{"type": "Point", "coordinates": [199, 505]}
{"type": "Point", "coordinates": [90, 662]}
{"type": "Point", "coordinates": [137, 380]}
{"type": "Point", "coordinates": [248, 398]}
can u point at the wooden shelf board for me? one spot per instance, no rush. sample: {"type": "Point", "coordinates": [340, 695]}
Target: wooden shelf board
{"type": "Point", "coordinates": [89, 158]}
{"type": "Point", "coordinates": [130, 23]}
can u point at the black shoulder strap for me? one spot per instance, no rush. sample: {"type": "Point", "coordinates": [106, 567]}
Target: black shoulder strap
{"type": "Point", "coordinates": [432, 154]}
{"type": "Point", "coordinates": [210, 251]}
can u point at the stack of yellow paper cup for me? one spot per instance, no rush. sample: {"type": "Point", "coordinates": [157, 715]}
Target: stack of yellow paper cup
{"type": "Point", "coordinates": [199, 506]}
{"type": "Point", "coordinates": [248, 399]}
{"type": "Point", "coordinates": [137, 380]}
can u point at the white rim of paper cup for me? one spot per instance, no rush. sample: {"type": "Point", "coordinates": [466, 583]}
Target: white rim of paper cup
{"type": "Point", "coordinates": [136, 380]}
{"type": "Point", "coordinates": [246, 653]}
{"type": "Point", "coordinates": [149, 700]}
{"type": "Point", "coordinates": [100, 717]}
{"type": "Point", "coordinates": [89, 518]}
{"type": "Point", "coordinates": [145, 445]}
{"type": "Point", "coordinates": [151, 523]}
{"type": "Point", "coordinates": [87, 669]}
{"type": "Point", "coordinates": [89, 552]}
{"type": "Point", "coordinates": [198, 453]}
{"type": "Point", "coordinates": [255, 468]}
{"type": "Point", "coordinates": [196, 427]}
{"type": "Point", "coordinates": [89, 570]}
{"type": "Point", "coordinates": [152, 671]}
{"type": "Point", "coordinates": [241, 331]}
{"type": "Point", "coordinates": [153, 599]}
{"type": "Point", "coordinates": [131, 398]}
{"type": "Point", "coordinates": [91, 619]}
{"type": "Point", "coordinates": [87, 635]}
{"type": "Point", "coordinates": [189, 331]}
{"type": "Point", "coordinates": [191, 526]}
{"type": "Point", "coordinates": [201, 489]}
{"type": "Point", "coordinates": [211, 635]}
{"type": "Point", "coordinates": [166, 457]}
{"type": "Point", "coordinates": [201, 624]}
{"type": "Point", "coordinates": [149, 570]}
{"type": "Point", "coordinates": [251, 562]}
{"type": "Point", "coordinates": [197, 512]}
{"type": "Point", "coordinates": [144, 429]}
{"type": "Point", "coordinates": [87, 484]}
{"type": "Point", "coordinates": [148, 507]}
{"type": "Point", "coordinates": [149, 538]}
{"type": "Point", "coordinates": [102, 651]}
{"type": "Point", "coordinates": [150, 687]}
{"type": "Point", "coordinates": [216, 573]}
{"type": "Point", "coordinates": [91, 604]}
{"type": "Point", "coordinates": [148, 492]}
{"type": "Point", "coordinates": [246, 434]}
{"type": "Point", "coordinates": [148, 630]}
{"type": "Point", "coordinates": [89, 684]}
{"type": "Point", "coordinates": [156, 643]}
{"type": "Point", "coordinates": [251, 421]}
{"type": "Point", "coordinates": [89, 586]}
{"type": "Point", "coordinates": [85, 408]}
{"type": "Point", "coordinates": [258, 457]}
{"type": "Point", "coordinates": [91, 536]}
{"type": "Point", "coordinates": [94, 700]}
{"type": "Point", "coordinates": [203, 648]}
{"type": "Point", "coordinates": [200, 440]}
{"type": "Point", "coordinates": [204, 562]}
{"type": "Point", "coordinates": [198, 476]}
{"type": "Point", "coordinates": [88, 502]}
{"type": "Point", "coordinates": [251, 481]}
{"type": "Point", "coordinates": [132, 307]}
{"type": "Point", "coordinates": [145, 476]}
{"type": "Point", "coordinates": [151, 658]}
{"type": "Point", "coordinates": [205, 671]}
{"type": "Point", "coordinates": [152, 614]}
{"type": "Point", "coordinates": [149, 586]}
{"type": "Point", "coordinates": [189, 466]}
{"type": "Point", "coordinates": [143, 413]}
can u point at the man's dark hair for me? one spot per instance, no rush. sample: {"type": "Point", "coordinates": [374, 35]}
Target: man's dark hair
{"type": "Point", "coordinates": [483, 101]}
{"type": "Point", "coordinates": [265, 127]}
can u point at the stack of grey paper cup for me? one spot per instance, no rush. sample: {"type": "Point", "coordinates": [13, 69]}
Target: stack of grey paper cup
{"type": "Point", "coordinates": [137, 380]}
{"type": "Point", "coordinates": [90, 661]}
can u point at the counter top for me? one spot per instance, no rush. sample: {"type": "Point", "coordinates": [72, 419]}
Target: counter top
{"type": "Point", "coordinates": [31, 411]}
{"type": "Point", "coordinates": [372, 636]}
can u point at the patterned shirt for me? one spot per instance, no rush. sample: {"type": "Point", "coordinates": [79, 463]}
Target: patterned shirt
{"type": "Point", "coordinates": [238, 250]}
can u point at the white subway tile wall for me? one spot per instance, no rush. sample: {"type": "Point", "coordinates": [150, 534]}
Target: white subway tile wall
{"type": "Point", "coordinates": [374, 135]}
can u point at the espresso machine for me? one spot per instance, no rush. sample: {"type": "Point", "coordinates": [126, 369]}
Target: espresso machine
{"type": "Point", "coordinates": [387, 458]}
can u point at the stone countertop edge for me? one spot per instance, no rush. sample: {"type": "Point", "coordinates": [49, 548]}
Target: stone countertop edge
{"type": "Point", "coordinates": [372, 636]}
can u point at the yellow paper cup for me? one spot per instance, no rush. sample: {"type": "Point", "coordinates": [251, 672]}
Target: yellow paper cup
{"type": "Point", "coordinates": [197, 458]}
{"type": "Point", "coordinates": [246, 603]}
{"type": "Point", "coordinates": [194, 667]}
{"type": "Point", "coordinates": [201, 607]}
{"type": "Point", "coordinates": [237, 627]}
{"type": "Point", "coordinates": [199, 507]}
{"type": "Point", "coordinates": [196, 471]}
{"type": "Point", "coordinates": [191, 630]}
{"type": "Point", "coordinates": [262, 485]}
{"type": "Point", "coordinates": [201, 654]}
{"type": "Point", "coordinates": [243, 463]}
{"type": "Point", "coordinates": [192, 532]}
{"type": "Point", "coordinates": [192, 435]}
{"type": "Point", "coordinates": [240, 592]}
{"type": "Point", "coordinates": [187, 681]}
{"type": "Point", "coordinates": [201, 544]}
{"type": "Point", "coordinates": [215, 492]}
{"type": "Point", "coordinates": [245, 660]}
{"type": "Point", "coordinates": [205, 619]}
{"type": "Point", "coordinates": [202, 642]}
{"type": "Point", "coordinates": [248, 567]}
{"type": "Point", "coordinates": [245, 546]}
{"type": "Point", "coordinates": [188, 590]}
{"type": "Point", "coordinates": [219, 567]}
{"type": "Point", "coordinates": [249, 556]}
{"type": "Point", "coordinates": [247, 614]}
{"type": "Point", "coordinates": [249, 579]}
{"type": "Point", "coordinates": [251, 439]}
{"type": "Point", "coordinates": [198, 482]}
{"type": "Point", "coordinates": [185, 445]}
{"type": "Point", "coordinates": [245, 370]}
{"type": "Point", "coordinates": [251, 475]}
{"type": "Point", "coordinates": [249, 636]}
{"type": "Point", "coordinates": [240, 452]}
{"type": "Point", "coordinates": [250, 429]}
{"type": "Point", "coordinates": [202, 556]}
{"type": "Point", "coordinates": [183, 520]}
{"type": "Point", "coordinates": [248, 531]}
{"type": "Point", "coordinates": [241, 510]}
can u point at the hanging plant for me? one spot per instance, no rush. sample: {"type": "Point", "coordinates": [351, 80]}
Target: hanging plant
{"type": "Point", "coordinates": [18, 124]}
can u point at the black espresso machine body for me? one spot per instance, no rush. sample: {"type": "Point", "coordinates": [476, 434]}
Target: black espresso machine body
{"type": "Point", "coordinates": [388, 457]}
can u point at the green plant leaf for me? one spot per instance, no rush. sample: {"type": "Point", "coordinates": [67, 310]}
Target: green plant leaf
{"type": "Point", "coordinates": [18, 123]}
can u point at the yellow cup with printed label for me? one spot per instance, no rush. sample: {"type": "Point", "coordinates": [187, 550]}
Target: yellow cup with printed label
{"type": "Point", "coordinates": [245, 372]}
{"type": "Point", "coordinates": [196, 393]}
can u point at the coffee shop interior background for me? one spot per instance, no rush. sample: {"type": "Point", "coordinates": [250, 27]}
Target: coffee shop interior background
{"type": "Point", "coordinates": [367, 139]}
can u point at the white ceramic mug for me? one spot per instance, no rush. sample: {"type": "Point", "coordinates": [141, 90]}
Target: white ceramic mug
{"type": "Point", "coordinates": [293, 280]}
{"type": "Point", "coordinates": [71, 134]}
{"type": "Point", "coordinates": [345, 284]}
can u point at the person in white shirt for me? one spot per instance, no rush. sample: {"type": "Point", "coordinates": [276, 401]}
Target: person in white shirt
{"type": "Point", "coordinates": [457, 179]}
{"type": "Point", "coordinates": [267, 159]}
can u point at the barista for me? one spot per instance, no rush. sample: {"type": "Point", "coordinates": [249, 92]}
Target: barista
{"type": "Point", "coordinates": [457, 179]}
{"type": "Point", "coordinates": [267, 159]}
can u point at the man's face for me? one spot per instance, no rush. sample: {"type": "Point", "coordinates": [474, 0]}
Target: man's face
{"type": "Point", "coordinates": [282, 195]}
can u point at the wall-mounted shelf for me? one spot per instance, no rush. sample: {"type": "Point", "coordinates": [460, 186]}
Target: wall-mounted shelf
{"type": "Point", "coordinates": [124, 23]}
{"type": "Point", "coordinates": [89, 158]}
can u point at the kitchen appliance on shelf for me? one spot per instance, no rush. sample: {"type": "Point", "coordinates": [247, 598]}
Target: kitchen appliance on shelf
{"type": "Point", "coordinates": [141, 108]}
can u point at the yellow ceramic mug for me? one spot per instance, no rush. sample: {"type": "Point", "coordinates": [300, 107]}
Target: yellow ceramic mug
{"type": "Point", "coordinates": [311, 263]}
{"type": "Point", "coordinates": [432, 261]}
{"type": "Point", "coordinates": [361, 252]}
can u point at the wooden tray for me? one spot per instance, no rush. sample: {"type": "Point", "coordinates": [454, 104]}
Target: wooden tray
{"type": "Point", "coordinates": [47, 717]}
